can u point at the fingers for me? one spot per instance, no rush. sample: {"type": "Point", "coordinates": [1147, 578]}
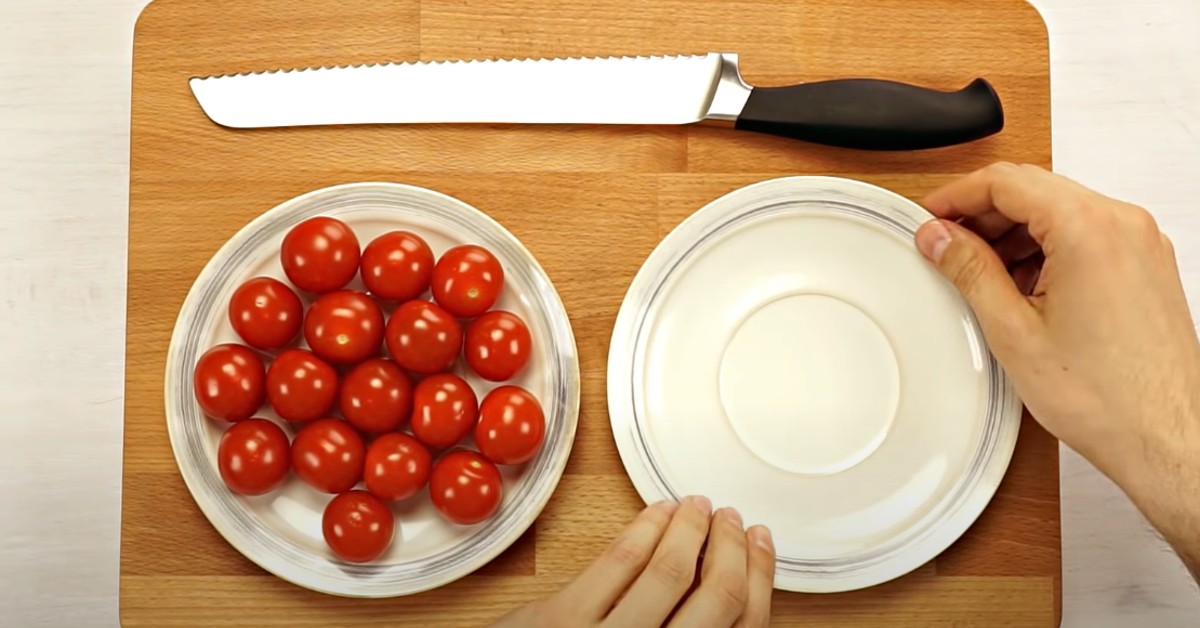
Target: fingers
{"type": "Point", "coordinates": [1015, 246]}
{"type": "Point", "coordinates": [724, 588]}
{"type": "Point", "coordinates": [1004, 314]}
{"type": "Point", "coordinates": [594, 592]}
{"type": "Point", "coordinates": [1022, 194]}
{"type": "Point", "coordinates": [989, 226]}
{"type": "Point", "coordinates": [670, 571]}
{"type": "Point", "coordinates": [760, 563]}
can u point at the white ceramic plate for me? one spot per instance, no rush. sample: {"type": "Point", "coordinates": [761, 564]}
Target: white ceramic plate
{"type": "Point", "coordinates": [282, 531]}
{"type": "Point", "coordinates": [788, 352]}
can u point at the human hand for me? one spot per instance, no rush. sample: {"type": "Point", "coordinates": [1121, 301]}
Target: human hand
{"type": "Point", "coordinates": [1092, 326]}
{"type": "Point", "coordinates": [647, 576]}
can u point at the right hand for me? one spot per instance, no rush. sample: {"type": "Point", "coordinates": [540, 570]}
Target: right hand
{"type": "Point", "coordinates": [1097, 338]}
{"type": "Point", "coordinates": [653, 575]}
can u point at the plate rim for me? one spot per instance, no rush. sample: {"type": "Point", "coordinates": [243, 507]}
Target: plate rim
{"type": "Point", "coordinates": [277, 565]}
{"type": "Point", "coordinates": [620, 395]}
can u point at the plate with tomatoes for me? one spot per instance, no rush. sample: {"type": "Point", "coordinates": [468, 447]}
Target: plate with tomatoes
{"type": "Point", "coordinates": [372, 390]}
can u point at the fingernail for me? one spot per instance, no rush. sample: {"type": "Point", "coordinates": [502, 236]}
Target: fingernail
{"type": "Point", "coordinates": [666, 506]}
{"type": "Point", "coordinates": [762, 537]}
{"type": "Point", "coordinates": [932, 239]}
{"type": "Point", "coordinates": [701, 504]}
{"type": "Point", "coordinates": [733, 516]}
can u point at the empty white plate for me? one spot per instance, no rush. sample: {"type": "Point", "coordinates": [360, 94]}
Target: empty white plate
{"type": "Point", "coordinates": [788, 352]}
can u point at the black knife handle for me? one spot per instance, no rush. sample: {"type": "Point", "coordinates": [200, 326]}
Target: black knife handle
{"type": "Point", "coordinates": [874, 115]}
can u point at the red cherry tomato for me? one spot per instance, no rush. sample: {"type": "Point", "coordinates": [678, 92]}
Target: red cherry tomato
{"type": "Point", "coordinates": [511, 425]}
{"type": "Point", "coordinates": [397, 467]}
{"type": "Point", "coordinates": [467, 280]}
{"type": "Point", "coordinates": [301, 386]}
{"type": "Point", "coordinates": [465, 487]}
{"type": "Point", "coordinates": [423, 337]}
{"type": "Point", "coordinates": [357, 526]}
{"type": "Point", "coordinates": [320, 254]}
{"type": "Point", "coordinates": [328, 455]}
{"type": "Point", "coordinates": [229, 382]}
{"type": "Point", "coordinates": [253, 457]}
{"type": "Point", "coordinates": [344, 327]}
{"type": "Point", "coordinates": [266, 313]}
{"type": "Point", "coordinates": [444, 410]}
{"type": "Point", "coordinates": [497, 345]}
{"type": "Point", "coordinates": [376, 396]}
{"type": "Point", "coordinates": [397, 266]}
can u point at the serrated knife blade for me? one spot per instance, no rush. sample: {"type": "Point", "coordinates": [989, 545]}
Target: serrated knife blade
{"type": "Point", "coordinates": [666, 90]}
{"type": "Point", "coordinates": [616, 90]}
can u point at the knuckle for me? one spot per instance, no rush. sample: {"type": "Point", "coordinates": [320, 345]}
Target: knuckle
{"type": "Point", "coordinates": [1002, 167]}
{"type": "Point", "coordinates": [674, 570]}
{"type": "Point", "coordinates": [1143, 221]}
{"type": "Point", "coordinates": [694, 522]}
{"type": "Point", "coordinates": [730, 533]}
{"type": "Point", "coordinates": [730, 590]}
{"type": "Point", "coordinates": [1167, 244]}
{"type": "Point", "coordinates": [966, 268]}
{"type": "Point", "coordinates": [1135, 214]}
{"type": "Point", "coordinates": [1090, 221]}
{"type": "Point", "coordinates": [629, 553]}
{"type": "Point", "coordinates": [754, 619]}
{"type": "Point", "coordinates": [656, 517]}
{"type": "Point", "coordinates": [1000, 170]}
{"type": "Point", "coordinates": [1085, 207]}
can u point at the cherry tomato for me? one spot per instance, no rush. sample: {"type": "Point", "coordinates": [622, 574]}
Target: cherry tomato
{"type": "Point", "coordinates": [497, 345]}
{"type": "Point", "coordinates": [320, 254]}
{"type": "Point", "coordinates": [357, 526]}
{"type": "Point", "coordinates": [511, 425]}
{"type": "Point", "coordinates": [467, 280]}
{"type": "Point", "coordinates": [253, 457]}
{"type": "Point", "coordinates": [328, 455]}
{"type": "Point", "coordinates": [444, 410]}
{"type": "Point", "coordinates": [397, 266]}
{"type": "Point", "coordinates": [397, 466]}
{"type": "Point", "coordinates": [423, 337]}
{"type": "Point", "coordinates": [229, 382]}
{"type": "Point", "coordinates": [265, 313]}
{"type": "Point", "coordinates": [465, 487]}
{"type": "Point", "coordinates": [344, 327]}
{"type": "Point", "coordinates": [301, 386]}
{"type": "Point", "coordinates": [376, 396]}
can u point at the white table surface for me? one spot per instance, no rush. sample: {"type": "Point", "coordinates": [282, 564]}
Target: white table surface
{"type": "Point", "coordinates": [1126, 92]}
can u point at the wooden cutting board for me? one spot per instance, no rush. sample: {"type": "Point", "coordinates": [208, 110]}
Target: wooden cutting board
{"type": "Point", "coordinates": [590, 203]}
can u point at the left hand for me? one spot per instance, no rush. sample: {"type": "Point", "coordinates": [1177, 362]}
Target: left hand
{"type": "Point", "coordinates": [647, 576]}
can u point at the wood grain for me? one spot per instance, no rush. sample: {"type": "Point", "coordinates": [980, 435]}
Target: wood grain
{"type": "Point", "coordinates": [590, 203]}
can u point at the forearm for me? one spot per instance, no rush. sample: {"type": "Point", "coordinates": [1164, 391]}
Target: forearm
{"type": "Point", "coordinates": [1167, 486]}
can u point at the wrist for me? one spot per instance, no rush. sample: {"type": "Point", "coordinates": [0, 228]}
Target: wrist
{"type": "Point", "coordinates": [1162, 475]}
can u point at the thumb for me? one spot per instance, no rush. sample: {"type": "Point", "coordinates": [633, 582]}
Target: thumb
{"type": "Point", "coordinates": [1005, 315]}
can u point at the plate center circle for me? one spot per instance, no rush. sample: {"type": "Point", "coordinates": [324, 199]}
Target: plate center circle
{"type": "Point", "coordinates": [810, 384]}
